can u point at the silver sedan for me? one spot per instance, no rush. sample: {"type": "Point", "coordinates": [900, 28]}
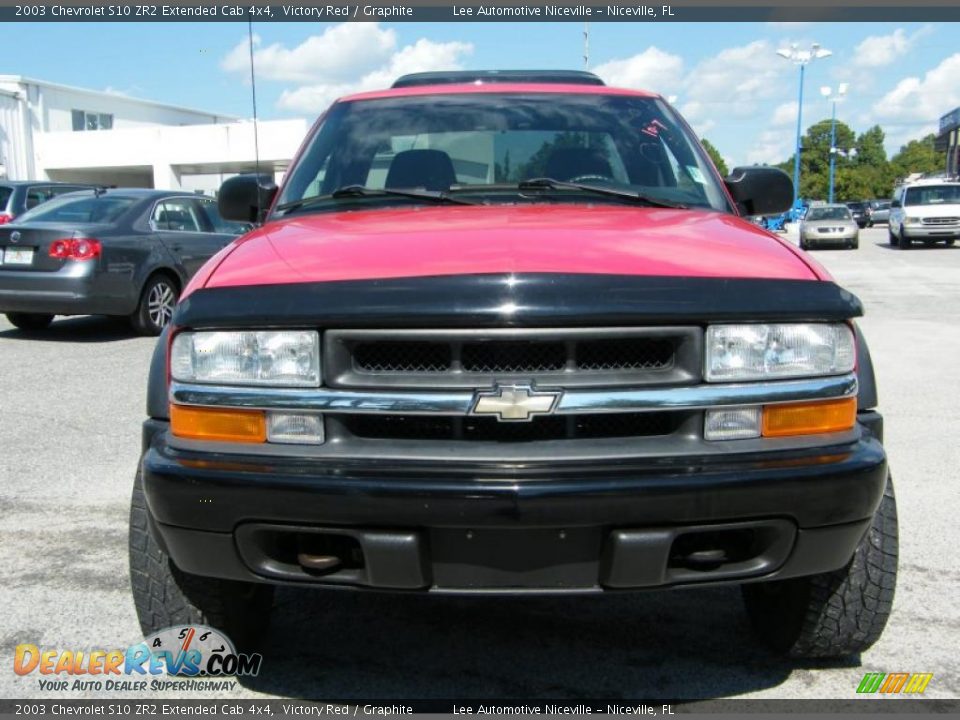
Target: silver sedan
{"type": "Point", "coordinates": [829, 225]}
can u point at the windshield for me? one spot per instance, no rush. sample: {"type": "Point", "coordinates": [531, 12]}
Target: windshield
{"type": "Point", "coordinates": [481, 145]}
{"type": "Point", "coordinates": [5, 192]}
{"type": "Point", "coordinates": [828, 213]}
{"type": "Point", "coordinates": [933, 195]}
{"type": "Point", "coordinates": [79, 209]}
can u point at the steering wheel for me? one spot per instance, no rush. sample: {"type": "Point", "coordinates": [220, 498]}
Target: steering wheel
{"type": "Point", "coordinates": [582, 178]}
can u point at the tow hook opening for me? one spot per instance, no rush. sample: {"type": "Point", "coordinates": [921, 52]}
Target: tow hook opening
{"type": "Point", "coordinates": [320, 553]}
{"type": "Point", "coordinates": [708, 551]}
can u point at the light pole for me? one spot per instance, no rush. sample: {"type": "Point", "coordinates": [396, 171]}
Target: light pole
{"type": "Point", "coordinates": [849, 154]}
{"type": "Point", "coordinates": [841, 93]}
{"type": "Point", "coordinates": [802, 58]}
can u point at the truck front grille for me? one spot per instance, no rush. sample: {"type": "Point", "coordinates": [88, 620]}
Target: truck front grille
{"type": "Point", "coordinates": [477, 359]}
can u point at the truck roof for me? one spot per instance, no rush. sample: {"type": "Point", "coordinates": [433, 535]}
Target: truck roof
{"type": "Point", "coordinates": [494, 88]}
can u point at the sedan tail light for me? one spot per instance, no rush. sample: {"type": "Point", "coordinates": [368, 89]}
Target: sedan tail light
{"type": "Point", "coordinates": [5, 218]}
{"type": "Point", "coordinates": [78, 248]}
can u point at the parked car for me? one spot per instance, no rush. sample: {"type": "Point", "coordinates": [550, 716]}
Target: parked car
{"type": "Point", "coordinates": [107, 252]}
{"type": "Point", "coordinates": [511, 333]}
{"type": "Point", "coordinates": [878, 211]}
{"type": "Point", "coordinates": [829, 225]}
{"type": "Point", "coordinates": [16, 197]}
{"type": "Point", "coordinates": [926, 211]}
{"type": "Point", "coordinates": [859, 212]}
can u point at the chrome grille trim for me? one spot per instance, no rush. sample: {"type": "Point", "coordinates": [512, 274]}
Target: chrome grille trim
{"type": "Point", "coordinates": [460, 402]}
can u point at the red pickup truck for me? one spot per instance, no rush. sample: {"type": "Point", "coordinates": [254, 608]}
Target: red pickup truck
{"type": "Point", "coordinates": [511, 333]}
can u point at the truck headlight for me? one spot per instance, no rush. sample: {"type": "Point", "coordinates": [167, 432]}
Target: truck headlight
{"type": "Point", "coordinates": [911, 221]}
{"type": "Point", "coordinates": [281, 358]}
{"type": "Point", "coordinates": [767, 352]}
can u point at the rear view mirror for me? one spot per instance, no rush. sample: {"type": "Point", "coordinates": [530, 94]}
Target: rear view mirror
{"type": "Point", "coordinates": [760, 190]}
{"type": "Point", "coordinates": [246, 198]}
{"type": "Point", "coordinates": [895, 204]}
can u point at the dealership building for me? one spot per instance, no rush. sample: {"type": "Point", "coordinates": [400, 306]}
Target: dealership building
{"type": "Point", "coordinates": [948, 141]}
{"type": "Point", "coordinates": [55, 132]}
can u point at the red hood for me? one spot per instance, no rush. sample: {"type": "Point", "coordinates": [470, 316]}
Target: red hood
{"type": "Point", "coordinates": [429, 241]}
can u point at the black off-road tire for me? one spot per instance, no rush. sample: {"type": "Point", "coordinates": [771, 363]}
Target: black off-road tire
{"type": "Point", "coordinates": [836, 614]}
{"type": "Point", "coordinates": [155, 308]}
{"type": "Point", "coordinates": [165, 596]}
{"type": "Point", "coordinates": [30, 321]}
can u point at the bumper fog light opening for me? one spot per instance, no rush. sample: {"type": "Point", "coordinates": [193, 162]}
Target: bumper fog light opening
{"type": "Point", "coordinates": [732, 424]}
{"type": "Point", "coordinates": [289, 428]}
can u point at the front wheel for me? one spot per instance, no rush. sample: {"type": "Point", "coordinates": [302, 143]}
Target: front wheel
{"type": "Point", "coordinates": [904, 242]}
{"type": "Point", "coordinates": [29, 321]}
{"type": "Point", "coordinates": [835, 614]}
{"type": "Point", "coordinates": [165, 596]}
{"type": "Point", "coordinates": [157, 302]}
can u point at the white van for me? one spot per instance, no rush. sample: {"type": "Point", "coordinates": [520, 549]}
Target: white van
{"type": "Point", "coordinates": [927, 211]}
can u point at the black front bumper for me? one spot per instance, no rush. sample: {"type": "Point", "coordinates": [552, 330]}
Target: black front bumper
{"type": "Point", "coordinates": [462, 528]}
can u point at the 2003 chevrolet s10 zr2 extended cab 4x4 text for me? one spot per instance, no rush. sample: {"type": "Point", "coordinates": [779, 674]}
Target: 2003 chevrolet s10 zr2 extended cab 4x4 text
{"type": "Point", "coordinates": [510, 332]}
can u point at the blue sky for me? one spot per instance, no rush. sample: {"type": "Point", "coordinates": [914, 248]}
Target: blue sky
{"type": "Point", "coordinates": [726, 78]}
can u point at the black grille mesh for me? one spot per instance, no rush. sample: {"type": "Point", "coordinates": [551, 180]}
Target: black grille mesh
{"type": "Point", "coordinates": [626, 354]}
{"type": "Point", "coordinates": [513, 357]}
{"type": "Point", "coordinates": [510, 357]}
{"type": "Point", "coordinates": [483, 429]}
{"type": "Point", "coordinates": [402, 357]}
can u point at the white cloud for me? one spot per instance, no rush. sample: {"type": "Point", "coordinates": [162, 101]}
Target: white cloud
{"type": "Point", "coordinates": [339, 53]}
{"type": "Point", "coordinates": [784, 114]}
{"type": "Point", "coordinates": [735, 80]}
{"type": "Point", "coordinates": [913, 107]}
{"type": "Point", "coordinates": [344, 59]}
{"type": "Point", "coordinates": [424, 55]}
{"type": "Point", "coordinates": [879, 50]}
{"type": "Point", "coordinates": [729, 88]}
{"type": "Point", "coordinates": [772, 146]}
{"type": "Point", "coordinates": [918, 101]}
{"type": "Point", "coordinates": [653, 69]}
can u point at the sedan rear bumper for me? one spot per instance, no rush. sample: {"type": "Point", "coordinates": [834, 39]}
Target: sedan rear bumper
{"type": "Point", "coordinates": [69, 291]}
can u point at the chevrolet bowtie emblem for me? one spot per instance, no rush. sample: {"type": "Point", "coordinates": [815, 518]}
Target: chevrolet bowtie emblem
{"type": "Point", "coordinates": [515, 403]}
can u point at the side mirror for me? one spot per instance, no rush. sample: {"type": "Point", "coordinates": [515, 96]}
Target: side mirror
{"type": "Point", "coordinates": [246, 198]}
{"type": "Point", "coordinates": [895, 204]}
{"type": "Point", "coordinates": [760, 190]}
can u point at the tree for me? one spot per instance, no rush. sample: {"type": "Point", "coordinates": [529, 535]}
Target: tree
{"type": "Point", "coordinates": [716, 157]}
{"type": "Point", "coordinates": [917, 156]}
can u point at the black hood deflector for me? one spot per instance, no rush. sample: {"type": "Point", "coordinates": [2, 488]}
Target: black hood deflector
{"type": "Point", "coordinates": [527, 300]}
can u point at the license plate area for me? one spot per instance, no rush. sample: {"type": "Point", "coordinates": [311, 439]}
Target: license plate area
{"type": "Point", "coordinates": [17, 256]}
{"type": "Point", "coordinates": [511, 559]}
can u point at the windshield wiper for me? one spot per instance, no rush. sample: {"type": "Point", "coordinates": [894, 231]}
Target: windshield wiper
{"type": "Point", "coordinates": [350, 191]}
{"type": "Point", "coordinates": [552, 184]}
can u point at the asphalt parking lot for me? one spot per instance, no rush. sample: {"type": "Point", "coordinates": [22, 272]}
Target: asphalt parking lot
{"type": "Point", "coordinates": [71, 404]}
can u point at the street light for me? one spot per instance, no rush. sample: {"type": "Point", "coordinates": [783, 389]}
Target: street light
{"type": "Point", "coordinates": [841, 94]}
{"type": "Point", "coordinates": [802, 58]}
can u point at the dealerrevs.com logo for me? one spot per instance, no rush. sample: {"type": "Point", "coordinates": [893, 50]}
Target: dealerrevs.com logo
{"type": "Point", "coordinates": [197, 656]}
{"type": "Point", "coordinates": [895, 683]}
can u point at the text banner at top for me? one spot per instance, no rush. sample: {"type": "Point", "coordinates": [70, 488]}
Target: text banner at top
{"type": "Point", "coordinates": [474, 11]}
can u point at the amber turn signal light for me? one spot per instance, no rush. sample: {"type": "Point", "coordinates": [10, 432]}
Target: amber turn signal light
{"type": "Point", "coordinates": [247, 426]}
{"type": "Point", "coordinates": [809, 418]}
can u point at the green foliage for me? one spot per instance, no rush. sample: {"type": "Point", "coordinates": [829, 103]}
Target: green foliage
{"type": "Point", "coordinates": [867, 175]}
{"type": "Point", "coordinates": [917, 156]}
{"type": "Point", "coordinates": [716, 157]}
